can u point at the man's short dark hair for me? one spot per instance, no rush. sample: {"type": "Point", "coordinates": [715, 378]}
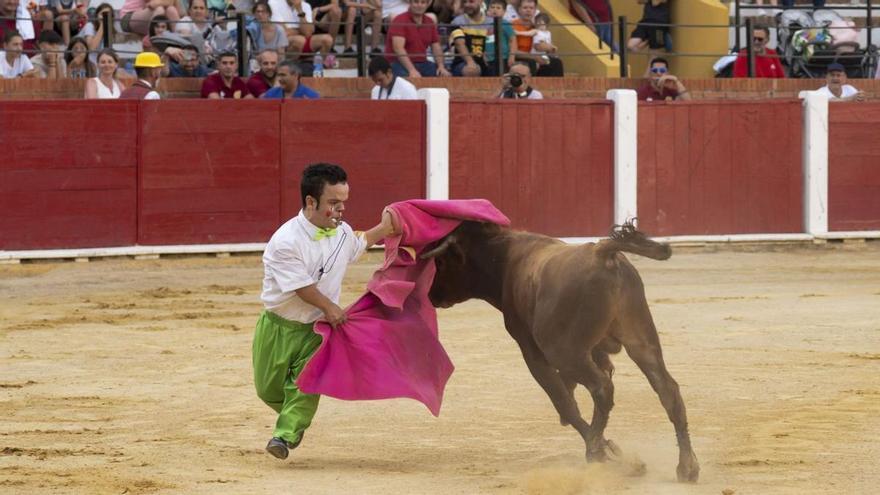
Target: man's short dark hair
{"type": "Point", "coordinates": [49, 36]}
{"type": "Point", "coordinates": [227, 54]}
{"type": "Point", "coordinates": [10, 35]}
{"type": "Point", "coordinates": [316, 175]}
{"type": "Point", "coordinates": [503, 3]}
{"type": "Point", "coordinates": [380, 64]}
{"type": "Point", "coordinates": [660, 60]}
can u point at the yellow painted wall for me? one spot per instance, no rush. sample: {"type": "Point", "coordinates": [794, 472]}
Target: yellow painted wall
{"type": "Point", "coordinates": [579, 39]}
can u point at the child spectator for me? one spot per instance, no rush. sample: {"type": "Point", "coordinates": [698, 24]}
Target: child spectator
{"type": "Point", "coordinates": [542, 39]}
{"type": "Point", "coordinates": [507, 38]}
{"type": "Point", "coordinates": [13, 63]}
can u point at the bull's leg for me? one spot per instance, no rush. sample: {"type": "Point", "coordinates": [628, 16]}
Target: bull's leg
{"type": "Point", "coordinates": [649, 359]}
{"type": "Point", "coordinates": [552, 383]}
{"type": "Point", "coordinates": [570, 385]}
{"type": "Point", "coordinates": [590, 375]}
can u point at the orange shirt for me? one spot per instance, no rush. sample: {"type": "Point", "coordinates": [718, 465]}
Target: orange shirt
{"type": "Point", "coordinates": [523, 43]}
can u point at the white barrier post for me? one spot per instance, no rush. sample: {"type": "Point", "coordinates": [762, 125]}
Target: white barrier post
{"type": "Point", "coordinates": [815, 166]}
{"type": "Point", "coordinates": [437, 142]}
{"type": "Point", "coordinates": [626, 148]}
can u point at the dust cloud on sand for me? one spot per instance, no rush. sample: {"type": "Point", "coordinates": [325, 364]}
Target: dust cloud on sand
{"type": "Point", "coordinates": [123, 376]}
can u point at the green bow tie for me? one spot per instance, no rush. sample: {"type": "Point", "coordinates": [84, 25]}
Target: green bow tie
{"type": "Point", "coordinates": [322, 233]}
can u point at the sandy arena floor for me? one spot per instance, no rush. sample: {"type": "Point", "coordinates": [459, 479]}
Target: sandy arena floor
{"type": "Point", "coordinates": [127, 377]}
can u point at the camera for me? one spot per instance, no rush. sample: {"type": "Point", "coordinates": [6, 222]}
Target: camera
{"type": "Point", "coordinates": [515, 80]}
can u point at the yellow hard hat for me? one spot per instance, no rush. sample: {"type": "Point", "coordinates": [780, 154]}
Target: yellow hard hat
{"type": "Point", "coordinates": [148, 59]}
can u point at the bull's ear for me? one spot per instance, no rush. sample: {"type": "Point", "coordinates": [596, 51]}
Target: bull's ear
{"type": "Point", "coordinates": [440, 249]}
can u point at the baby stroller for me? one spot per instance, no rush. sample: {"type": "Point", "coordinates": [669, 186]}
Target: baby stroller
{"type": "Point", "coordinates": [807, 45]}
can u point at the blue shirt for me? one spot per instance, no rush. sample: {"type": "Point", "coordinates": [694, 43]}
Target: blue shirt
{"type": "Point", "coordinates": [301, 92]}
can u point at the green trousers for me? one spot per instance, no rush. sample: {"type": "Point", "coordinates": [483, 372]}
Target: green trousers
{"type": "Point", "coordinates": [281, 350]}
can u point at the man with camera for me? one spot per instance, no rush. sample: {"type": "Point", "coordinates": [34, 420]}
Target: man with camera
{"type": "Point", "coordinates": [515, 84]}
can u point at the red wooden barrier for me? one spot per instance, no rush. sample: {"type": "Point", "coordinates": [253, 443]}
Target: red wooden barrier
{"type": "Point", "coordinates": [68, 174]}
{"type": "Point", "coordinates": [853, 166]}
{"type": "Point", "coordinates": [381, 144]}
{"type": "Point", "coordinates": [547, 165]}
{"type": "Point", "coordinates": [720, 167]}
{"type": "Point", "coordinates": [209, 171]}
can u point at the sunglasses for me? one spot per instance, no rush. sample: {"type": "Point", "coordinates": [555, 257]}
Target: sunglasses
{"type": "Point", "coordinates": [659, 70]}
{"type": "Point", "coordinates": [758, 39]}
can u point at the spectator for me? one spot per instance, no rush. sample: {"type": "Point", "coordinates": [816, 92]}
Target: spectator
{"type": "Point", "coordinates": [371, 11]}
{"type": "Point", "coordinates": [836, 88]}
{"type": "Point", "coordinates": [767, 64]}
{"type": "Point", "coordinates": [328, 16]}
{"type": "Point", "coordinates": [93, 31]}
{"type": "Point", "coordinates": [77, 58]}
{"type": "Point", "coordinates": [8, 13]}
{"type": "Point", "coordinates": [67, 14]}
{"type": "Point", "coordinates": [290, 84]}
{"type": "Point", "coordinates": [507, 38]}
{"type": "Point", "coordinates": [596, 14]}
{"type": "Point", "coordinates": [50, 63]}
{"type": "Point", "coordinates": [297, 18]}
{"type": "Point", "coordinates": [470, 32]}
{"type": "Point", "coordinates": [40, 11]}
{"type": "Point", "coordinates": [511, 11]}
{"type": "Point", "coordinates": [647, 35]}
{"type": "Point", "coordinates": [106, 85]}
{"type": "Point", "coordinates": [523, 25]}
{"type": "Point", "coordinates": [197, 22]}
{"type": "Point", "coordinates": [542, 39]}
{"type": "Point", "coordinates": [261, 81]}
{"type": "Point", "coordinates": [137, 14]}
{"type": "Point", "coordinates": [407, 42]}
{"type": "Point", "coordinates": [661, 84]}
{"type": "Point", "coordinates": [13, 63]}
{"type": "Point", "coordinates": [266, 35]}
{"type": "Point", "coordinates": [515, 84]}
{"type": "Point", "coordinates": [159, 26]}
{"type": "Point", "coordinates": [189, 64]}
{"type": "Point", "coordinates": [148, 66]}
{"type": "Point", "coordinates": [224, 83]}
{"type": "Point", "coordinates": [393, 87]}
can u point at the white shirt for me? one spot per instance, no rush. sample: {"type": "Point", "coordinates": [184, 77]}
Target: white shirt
{"type": "Point", "coordinates": [541, 37]}
{"type": "Point", "coordinates": [107, 93]}
{"type": "Point", "coordinates": [283, 12]}
{"type": "Point", "coordinates": [293, 260]}
{"type": "Point", "coordinates": [845, 92]}
{"type": "Point", "coordinates": [400, 90]}
{"type": "Point", "coordinates": [393, 8]}
{"type": "Point", "coordinates": [19, 66]}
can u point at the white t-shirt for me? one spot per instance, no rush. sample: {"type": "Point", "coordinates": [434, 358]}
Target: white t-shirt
{"type": "Point", "coordinates": [283, 12]}
{"type": "Point", "coordinates": [541, 37]}
{"type": "Point", "coordinates": [19, 66]}
{"type": "Point", "coordinates": [400, 90]}
{"type": "Point", "coordinates": [845, 92]}
{"type": "Point", "coordinates": [393, 8]}
{"type": "Point", "coordinates": [293, 260]}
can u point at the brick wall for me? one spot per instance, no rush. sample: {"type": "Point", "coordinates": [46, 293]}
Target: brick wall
{"type": "Point", "coordinates": [568, 87]}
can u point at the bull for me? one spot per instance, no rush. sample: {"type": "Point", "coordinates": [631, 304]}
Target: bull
{"type": "Point", "coordinates": [568, 308]}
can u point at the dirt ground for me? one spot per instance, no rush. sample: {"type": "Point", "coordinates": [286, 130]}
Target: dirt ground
{"type": "Point", "coordinates": [134, 376]}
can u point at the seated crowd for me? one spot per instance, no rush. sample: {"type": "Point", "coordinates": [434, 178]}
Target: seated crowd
{"type": "Point", "coordinates": [289, 39]}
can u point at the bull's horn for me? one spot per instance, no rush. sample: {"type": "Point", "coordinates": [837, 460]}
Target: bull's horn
{"type": "Point", "coordinates": [437, 251]}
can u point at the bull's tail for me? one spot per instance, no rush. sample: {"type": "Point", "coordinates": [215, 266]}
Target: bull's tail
{"type": "Point", "coordinates": [628, 239]}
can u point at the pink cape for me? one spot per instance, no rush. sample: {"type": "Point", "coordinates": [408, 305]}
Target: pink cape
{"type": "Point", "coordinates": [389, 346]}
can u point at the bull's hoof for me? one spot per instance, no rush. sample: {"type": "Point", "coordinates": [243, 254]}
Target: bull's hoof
{"type": "Point", "coordinates": [688, 470]}
{"type": "Point", "coordinates": [563, 422]}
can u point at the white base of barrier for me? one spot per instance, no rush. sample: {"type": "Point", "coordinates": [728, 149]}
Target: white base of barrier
{"type": "Point", "coordinates": [151, 252]}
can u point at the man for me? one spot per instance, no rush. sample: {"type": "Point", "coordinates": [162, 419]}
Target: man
{"type": "Point", "coordinates": [388, 86]}
{"type": "Point", "coordinates": [289, 84]}
{"type": "Point", "coordinates": [304, 263]}
{"type": "Point", "coordinates": [767, 64]}
{"type": "Point", "coordinates": [544, 67]}
{"type": "Point", "coordinates": [300, 28]}
{"type": "Point", "coordinates": [225, 83]}
{"type": "Point", "coordinates": [50, 62]}
{"type": "Point", "coordinates": [8, 15]}
{"type": "Point", "coordinates": [515, 84]}
{"type": "Point", "coordinates": [836, 88]}
{"type": "Point", "coordinates": [407, 42]}
{"type": "Point", "coordinates": [261, 81]}
{"type": "Point", "coordinates": [148, 66]}
{"type": "Point", "coordinates": [13, 63]}
{"type": "Point", "coordinates": [469, 36]}
{"type": "Point", "coordinates": [662, 85]}
{"type": "Point", "coordinates": [184, 62]}
{"type": "Point", "coordinates": [647, 35]}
